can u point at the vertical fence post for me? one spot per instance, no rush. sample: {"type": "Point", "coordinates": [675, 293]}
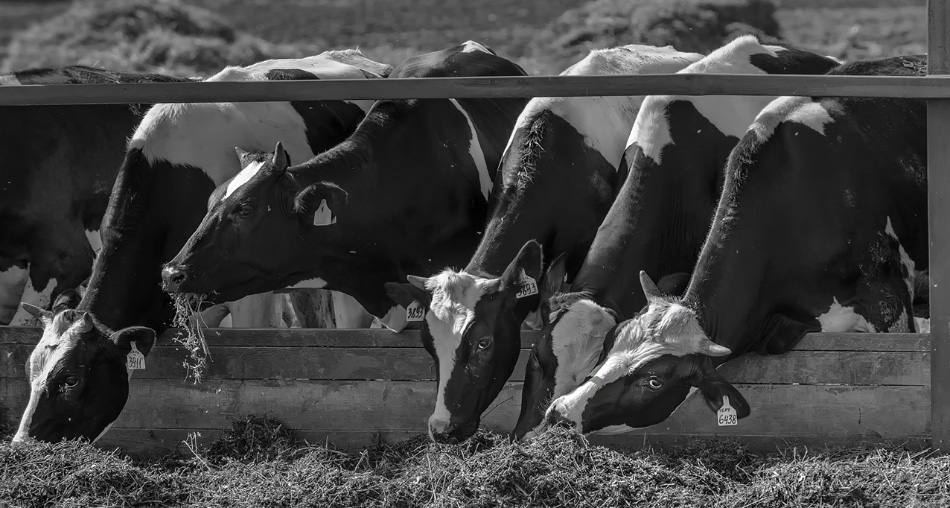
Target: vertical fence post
{"type": "Point", "coordinates": [938, 177]}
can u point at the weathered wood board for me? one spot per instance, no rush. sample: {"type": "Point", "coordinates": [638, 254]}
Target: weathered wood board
{"type": "Point", "coordinates": [348, 386]}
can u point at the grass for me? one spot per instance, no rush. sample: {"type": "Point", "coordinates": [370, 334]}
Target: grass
{"type": "Point", "coordinates": [259, 464]}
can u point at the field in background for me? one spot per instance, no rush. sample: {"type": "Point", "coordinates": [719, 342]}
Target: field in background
{"type": "Point", "coordinates": [390, 30]}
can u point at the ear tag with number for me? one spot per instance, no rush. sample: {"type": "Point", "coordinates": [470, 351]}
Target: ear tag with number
{"type": "Point", "coordinates": [415, 312]}
{"type": "Point", "coordinates": [135, 360]}
{"type": "Point", "coordinates": [726, 416]}
{"type": "Point", "coordinates": [323, 216]}
{"type": "Point", "coordinates": [527, 287]}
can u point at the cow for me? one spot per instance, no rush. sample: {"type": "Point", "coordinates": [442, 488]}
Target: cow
{"type": "Point", "coordinates": [558, 177]}
{"type": "Point", "coordinates": [407, 192]}
{"type": "Point", "coordinates": [175, 158]}
{"type": "Point", "coordinates": [675, 155]}
{"type": "Point", "coordinates": [60, 162]}
{"type": "Point", "coordinates": [821, 225]}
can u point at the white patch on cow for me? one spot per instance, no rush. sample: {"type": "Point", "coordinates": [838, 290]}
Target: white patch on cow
{"type": "Point", "coordinates": [39, 298]}
{"type": "Point", "coordinates": [905, 259]}
{"type": "Point", "coordinates": [475, 150]}
{"type": "Point", "coordinates": [394, 320]}
{"type": "Point", "coordinates": [454, 295]}
{"type": "Point", "coordinates": [9, 80]}
{"type": "Point", "coordinates": [577, 341]}
{"type": "Point", "coordinates": [472, 46]}
{"type": "Point", "coordinates": [204, 135]}
{"type": "Point", "coordinates": [801, 110]}
{"type": "Point", "coordinates": [315, 283]}
{"type": "Point", "coordinates": [922, 324]}
{"type": "Point", "coordinates": [604, 122]}
{"type": "Point", "coordinates": [841, 319]}
{"type": "Point", "coordinates": [243, 177]}
{"type": "Point", "coordinates": [730, 114]}
{"type": "Point", "coordinates": [349, 313]}
{"type": "Point", "coordinates": [95, 240]}
{"type": "Point", "coordinates": [13, 282]}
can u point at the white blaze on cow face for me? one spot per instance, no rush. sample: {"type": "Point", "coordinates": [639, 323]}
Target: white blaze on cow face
{"type": "Point", "coordinates": [841, 319]}
{"type": "Point", "coordinates": [454, 296]}
{"type": "Point", "coordinates": [905, 259]}
{"type": "Point", "coordinates": [801, 110]}
{"type": "Point", "coordinates": [204, 135]}
{"type": "Point", "coordinates": [731, 114]}
{"type": "Point", "coordinates": [243, 177]}
{"type": "Point", "coordinates": [475, 150]}
{"type": "Point", "coordinates": [605, 121]}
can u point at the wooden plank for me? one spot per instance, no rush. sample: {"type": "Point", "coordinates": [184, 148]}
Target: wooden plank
{"type": "Point", "coordinates": [479, 87]}
{"type": "Point", "coordinates": [862, 368]}
{"type": "Point", "coordinates": [938, 179]}
{"type": "Point", "coordinates": [296, 337]}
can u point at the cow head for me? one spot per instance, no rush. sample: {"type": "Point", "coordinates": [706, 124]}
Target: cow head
{"type": "Point", "coordinates": [78, 378]}
{"type": "Point", "coordinates": [230, 254]}
{"type": "Point", "coordinates": [569, 348]}
{"type": "Point", "coordinates": [475, 356]}
{"type": "Point", "coordinates": [653, 362]}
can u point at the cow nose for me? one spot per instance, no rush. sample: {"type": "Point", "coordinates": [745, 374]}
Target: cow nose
{"type": "Point", "coordinates": [441, 431]}
{"type": "Point", "coordinates": [554, 418]}
{"type": "Point", "coordinates": [173, 277]}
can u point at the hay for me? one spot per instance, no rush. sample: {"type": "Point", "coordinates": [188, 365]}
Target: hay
{"type": "Point", "coordinates": [258, 463]}
{"type": "Point", "coordinates": [191, 333]}
{"type": "Point", "coordinates": [140, 36]}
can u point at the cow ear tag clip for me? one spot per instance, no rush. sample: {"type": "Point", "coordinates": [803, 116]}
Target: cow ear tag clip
{"type": "Point", "coordinates": [527, 287]}
{"type": "Point", "coordinates": [323, 216]}
{"type": "Point", "coordinates": [135, 360]}
{"type": "Point", "coordinates": [726, 416]}
{"type": "Point", "coordinates": [415, 312]}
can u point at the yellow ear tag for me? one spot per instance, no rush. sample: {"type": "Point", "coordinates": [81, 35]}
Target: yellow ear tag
{"type": "Point", "coordinates": [726, 416]}
{"type": "Point", "coordinates": [135, 360]}
{"type": "Point", "coordinates": [527, 287]}
{"type": "Point", "coordinates": [415, 312]}
{"type": "Point", "coordinates": [323, 216]}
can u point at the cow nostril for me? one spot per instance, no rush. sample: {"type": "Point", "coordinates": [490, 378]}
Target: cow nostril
{"type": "Point", "coordinates": [173, 277]}
{"type": "Point", "coordinates": [556, 419]}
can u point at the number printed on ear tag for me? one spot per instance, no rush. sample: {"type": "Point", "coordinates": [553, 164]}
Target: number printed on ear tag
{"type": "Point", "coordinates": [135, 360]}
{"type": "Point", "coordinates": [726, 416]}
{"type": "Point", "coordinates": [415, 312]}
{"type": "Point", "coordinates": [527, 287]}
{"type": "Point", "coordinates": [323, 216]}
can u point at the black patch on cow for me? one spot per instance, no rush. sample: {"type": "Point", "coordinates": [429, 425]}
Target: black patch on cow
{"type": "Point", "coordinates": [793, 61]}
{"type": "Point", "coordinates": [288, 74]}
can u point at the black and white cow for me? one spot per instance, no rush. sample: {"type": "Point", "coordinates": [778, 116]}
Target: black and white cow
{"type": "Point", "coordinates": [557, 179]}
{"type": "Point", "coordinates": [174, 160]}
{"type": "Point", "coordinates": [820, 226]}
{"type": "Point", "coordinates": [676, 152]}
{"type": "Point", "coordinates": [58, 169]}
{"type": "Point", "coordinates": [406, 193]}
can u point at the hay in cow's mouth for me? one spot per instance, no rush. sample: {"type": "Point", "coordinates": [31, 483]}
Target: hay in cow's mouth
{"type": "Point", "coordinates": [189, 321]}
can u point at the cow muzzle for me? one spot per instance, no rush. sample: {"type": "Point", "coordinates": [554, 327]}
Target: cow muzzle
{"type": "Point", "coordinates": [173, 276]}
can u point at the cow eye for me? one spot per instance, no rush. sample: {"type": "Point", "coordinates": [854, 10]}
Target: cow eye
{"type": "Point", "coordinates": [71, 381]}
{"type": "Point", "coordinates": [484, 343]}
{"type": "Point", "coordinates": [246, 210]}
{"type": "Point", "coordinates": [655, 383]}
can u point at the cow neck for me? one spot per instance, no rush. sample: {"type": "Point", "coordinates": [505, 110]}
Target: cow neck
{"type": "Point", "coordinates": [385, 175]}
{"type": "Point", "coordinates": [153, 209]}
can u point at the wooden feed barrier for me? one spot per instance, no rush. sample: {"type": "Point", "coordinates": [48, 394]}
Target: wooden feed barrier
{"type": "Point", "coordinates": [345, 386]}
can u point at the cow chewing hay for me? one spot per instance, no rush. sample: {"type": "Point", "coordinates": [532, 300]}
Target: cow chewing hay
{"type": "Point", "coordinates": [192, 336]}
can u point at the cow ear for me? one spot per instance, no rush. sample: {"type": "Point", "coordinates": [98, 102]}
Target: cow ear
{"type": "Point", "coordinates": [714, 387]}
{"type": "Point", "coordinates": [321, 202]}
{"type": "Point", "coordinates": [37, 312]}
{"type": "Point", "coordinates": [143, 337]}
{"type": "Point", "coordinates": [527, 263]}
{"type": "Point", "coordinates": [242, 154]}
{"type": "Point", "coordinates": [674, 284]}
{"type": "Point", "coordinates": [404, 293]}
